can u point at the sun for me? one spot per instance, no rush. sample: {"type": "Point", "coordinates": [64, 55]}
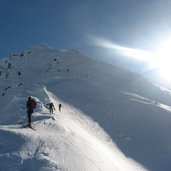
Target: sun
{"type": "Point", "coordinates": [162, 59]}
{"type": "Point", "coordinates": [159, 59]}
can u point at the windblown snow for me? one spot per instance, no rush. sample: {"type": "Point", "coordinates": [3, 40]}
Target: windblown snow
{"type": "Point", "coordinates": [111, 119]}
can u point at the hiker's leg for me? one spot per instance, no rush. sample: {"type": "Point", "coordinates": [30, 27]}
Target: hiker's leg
{"type": "Point", "coordinates": [29, 113]}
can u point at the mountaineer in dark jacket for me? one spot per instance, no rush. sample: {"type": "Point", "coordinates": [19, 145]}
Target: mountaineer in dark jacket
{"type": "Point", "coordinates": [51, 107]}
{"type": "Point", "coordinates": [31, 104]}
{"type": "Point", "coordinates": [60, 105]}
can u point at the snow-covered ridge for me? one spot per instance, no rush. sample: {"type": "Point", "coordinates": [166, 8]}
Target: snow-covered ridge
{"type": "Point", "coordinates": [66, 141]}
{"type": "Point", "coordinates": [102, 105]}
{"type": "Point", "coordinates": [41, 46]}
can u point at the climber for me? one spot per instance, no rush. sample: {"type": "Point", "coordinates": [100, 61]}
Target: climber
{"type": "Point", "coordinates": [60, 105]}
{"type": "Point", "coordinates": [51, 107]}
{"type": "Point", "coordinates": [31, 104]}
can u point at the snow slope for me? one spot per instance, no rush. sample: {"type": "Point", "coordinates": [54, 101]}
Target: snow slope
{"type": "Point", "coordinates": [65, 141]}
{"type": "Point", "coordinates": [104, 107]}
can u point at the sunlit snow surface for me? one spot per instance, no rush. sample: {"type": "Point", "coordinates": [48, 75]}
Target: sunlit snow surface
{"type": "Point", "coordinates": [111, 119]}
{"type": "Point", "coordinates": [68, 140]}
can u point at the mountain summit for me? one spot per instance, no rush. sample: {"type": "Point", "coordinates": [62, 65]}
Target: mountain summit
{"type": "Point", "coordinates": [105, 110]}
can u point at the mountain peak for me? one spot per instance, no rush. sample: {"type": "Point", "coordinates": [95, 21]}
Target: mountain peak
{"type": "Point", "coordinates": [41, 46]}
{"type": "Point", "coordinates": [123, 102]}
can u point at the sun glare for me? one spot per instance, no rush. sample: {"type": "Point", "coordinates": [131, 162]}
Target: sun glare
{"type": "Point", "coordinates": [160, 59]}
{"type": "Point", "coordinates": [163, 59]}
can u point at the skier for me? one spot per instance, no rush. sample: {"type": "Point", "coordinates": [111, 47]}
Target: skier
{"type": "Point", "coordinates": [51, 107]}
{"type": "Point", "coordinates": [60, 105]}
{"type": "Point", "coordinates": [31, 104]}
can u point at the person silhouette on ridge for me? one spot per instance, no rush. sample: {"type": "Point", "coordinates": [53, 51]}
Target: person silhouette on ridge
{"type": "Point", "coordinates": [51, 107]}
{"type": "Point", "coordinates": [31, 104]}
{"type": "Point", "coordinates": [60, 106]}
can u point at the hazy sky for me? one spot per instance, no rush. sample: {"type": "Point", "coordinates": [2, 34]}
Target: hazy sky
{"type": "Point", "coordinates": [71, 23]}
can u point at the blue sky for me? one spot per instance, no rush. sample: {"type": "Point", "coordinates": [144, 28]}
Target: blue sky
{"type": "Point", "coordinates": [70, 23]}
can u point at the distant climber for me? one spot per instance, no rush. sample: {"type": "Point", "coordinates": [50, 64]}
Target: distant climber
{"type": "Point", "coordinates": [51, 107]}
{"type": "Point", "coordinates": [31, 104]}
{"type": "Point", "coordinates": [60, 106]}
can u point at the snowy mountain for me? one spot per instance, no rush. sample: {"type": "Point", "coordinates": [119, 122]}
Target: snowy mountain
{"type": "Point", "coordinates": [111, 119]}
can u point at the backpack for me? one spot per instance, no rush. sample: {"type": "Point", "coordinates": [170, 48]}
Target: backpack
{"type": "Point", "coordinates": [33, 103]}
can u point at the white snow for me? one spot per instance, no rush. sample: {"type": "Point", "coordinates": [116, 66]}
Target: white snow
{"type": "Point", "coordinates": [111, 119]}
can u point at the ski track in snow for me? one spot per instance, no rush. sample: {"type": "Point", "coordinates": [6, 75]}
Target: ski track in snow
{"type": "Point", "coordinates": [141, 99]}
